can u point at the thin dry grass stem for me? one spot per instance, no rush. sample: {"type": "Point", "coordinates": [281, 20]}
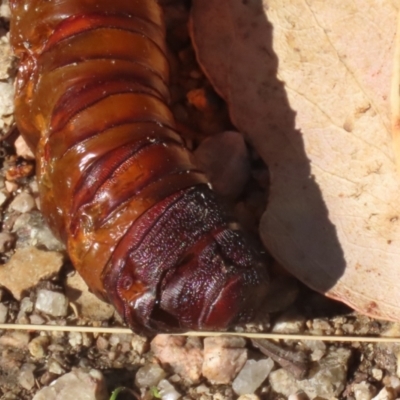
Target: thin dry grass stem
{"type": "Point", "coordinates": [272, 336]}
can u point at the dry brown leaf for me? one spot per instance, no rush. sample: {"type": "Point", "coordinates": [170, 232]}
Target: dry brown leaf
{"type": "Point", "coordinates": [309, 82]}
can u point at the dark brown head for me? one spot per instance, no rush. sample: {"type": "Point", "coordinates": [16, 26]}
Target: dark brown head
{"type": "Point", "coordinates": [209, 281]}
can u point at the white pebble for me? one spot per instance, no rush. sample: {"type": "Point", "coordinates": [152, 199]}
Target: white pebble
{"type": "Point", "coordinates": [149, 375]}
{"type": "Point", "coordinates": [5, 11]}
{"type": "Point", "coordinates": [248, 397]}
{"type": "Point", "coordinates": [167, 391]}
{"type": "Point", "coordinates": [77, 384]}
{"type": "Point", "coordinates": [26, 378]}
{"type": "Point", "coordinates": [52, 303]}
{"type": "Point", "coordinates": [363, 391]}
{"type": "Point", "coordinates": [38, 346]}
{"type": "Point", "coordinates": [10, 186]}
{"type": "Point", "coordinates": [75, 339]}
{"type": "Point", "coordinates": [22, 149]}
{"type": "Point", "coordinates": [252, 375]}
{"type": "Point", "coordinates": [23, 203]}
{"type": "Point", "coordinates": [26, 305]}
{"type": "Point", "coordinates": [139, 344]}
{"type": "Point", "coordinates": [377, 374]}
{"type": "Point", "coordinates": [55, 367]}
{"type": "Point", "coordinates": [6, 98]}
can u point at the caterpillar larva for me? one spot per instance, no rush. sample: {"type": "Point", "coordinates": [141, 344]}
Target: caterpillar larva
{"type": "Point", "coordinates": [117, 184]}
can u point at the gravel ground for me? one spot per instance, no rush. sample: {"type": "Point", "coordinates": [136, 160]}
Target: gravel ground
{"type": "Point", "coordinates": [77, 365]}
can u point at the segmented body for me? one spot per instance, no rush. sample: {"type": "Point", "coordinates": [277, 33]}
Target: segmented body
{"type": "Point", "coordinates": [117, 184]}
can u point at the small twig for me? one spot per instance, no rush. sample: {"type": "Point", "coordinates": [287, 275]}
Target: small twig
{"type": "Point", "coordinates": [273, 336]}
{"type": "Point", "coordinates": [294, 362]}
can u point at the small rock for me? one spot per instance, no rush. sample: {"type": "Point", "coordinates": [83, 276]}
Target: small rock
{"type": "Point", "coordinates": [75, 339]}
{"type": "Point", "coordinates": [167, 391]}
{"type": "Point", "coordinates": [318, 349]}
{"type": "Point", "coordinates": [364, 391]}
{"type": "Point", "coordinates": [248, 397]}
{"type": "Point", "coordinates": [3, 313]}
{"type": "Point", "coordinates": [22, 149]}
{"type": "Point", "coordinates": [6, 98]}
{"type": "Point", "coordinates": [36, 319]}
{"type": "Point", "coordinates": [6, 240]}
{"type": "Point", "coordinates": [17, 339]}
{"type": "Point", "coordinates": [139, 344]}
{"type": "Point", "coordinates": [328, 377]}
{"type": "Point", "coordinates": [377, 374]}
{"type": "Point", "coordinates": [321, 325]}
{"type": "Point", "coordinates": [102, 343]}
{"type": "Point", "coordinates": [202, 389]}
{"type": "Point", "coordinates": [224, 357]}
{"type": "Point", "coordinates": [183, 355]}
{"type": "Point", "coordinates": [11, 186]}
{"type": "Point", "coordinates": [23, 203]}
{"type": "Point", "coordinates": [27, 267]}
{"type": "Point", "coordinates": [3, 197]}
{"type": "Point", "coordinates": [252, 375]}
{"type": "Point", "coordinates": [225, 160]}
{"type": "Point", "coordinates": [32, 230]}
{"type": "Point", "coordinates": [38, 346]}
{"type": "Point", "coordinates": [26, 378]}
{"type": "Point", "coordinates": [75, 385]}
{"type": "Point", "coordinates": [394, 383]}
{"type": "Point", "coordinates": [9, 363]}
{"type": "Point", "coordinates": [55, 368]}
{"type": "Point", "coordinates": [385, 394]}
{"type": "Point", "coordinates": [149, 375]}
{"type": "Point", "coordinates": [51, 303]}
{"type": "Point", "coordinates": [5, 11]}
{"type": "Point", "coordinates": [90, 306]}
{"type": "Point", "coordinates": [26, 305]}
{"type": "Point", "coordinates": [87, 339]}
{"type": "Point", "coordinates": [289, 322]}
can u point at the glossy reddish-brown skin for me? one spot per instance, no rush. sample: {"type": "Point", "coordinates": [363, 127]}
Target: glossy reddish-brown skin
{"type": "Point", "coordinates": [117, 184]}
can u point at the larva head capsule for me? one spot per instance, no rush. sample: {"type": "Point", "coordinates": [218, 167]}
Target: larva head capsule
{"type": "Point", "coordinates": [199, 276]}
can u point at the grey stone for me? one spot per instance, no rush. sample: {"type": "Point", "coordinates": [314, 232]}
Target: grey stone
{"type": "Point", "coordinates": [252, 375]}
{"type": "Point", "coordinates": [75, 385]}
{"type": "Point", "coordinates": [38, 346]}
{"type": "Point", "coordinates": [363, 391]}
{"type": "Point", "coordinates": [23, 203]}
{"type": "Point", "coordinates": [51, 303]}
{"type": "Point", "coordinates": [26, 378]}
{"type": "Point", "coordinates": [167, 391]}
{"type": "Point", "coordinates": [17, 339]}
{"type": "Point", "coordinates": [327, 377]}
{"type": "Point", "coordinates": [149, 375]}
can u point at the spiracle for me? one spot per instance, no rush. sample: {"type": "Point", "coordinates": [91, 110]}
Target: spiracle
{"type": "Point", "coordinates": [116, 182]}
